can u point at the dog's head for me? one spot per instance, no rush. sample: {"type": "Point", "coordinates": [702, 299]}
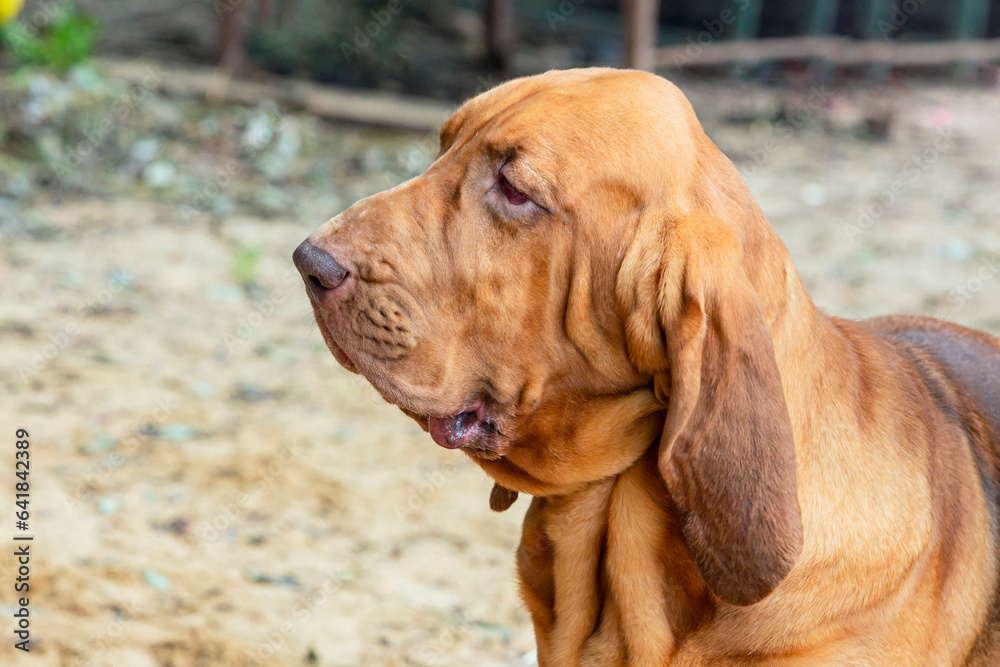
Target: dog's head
{"type": "Point", "coordinates": [579, 275]}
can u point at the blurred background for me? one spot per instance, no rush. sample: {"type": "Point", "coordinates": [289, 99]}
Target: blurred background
{"type": "Point", "coordinates": [209, 487]}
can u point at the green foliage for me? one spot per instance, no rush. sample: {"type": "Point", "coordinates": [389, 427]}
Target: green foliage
{"type": "Point", "coordinates": [244, 265]}
{"type": "Point", "coordinates": [66, 40]}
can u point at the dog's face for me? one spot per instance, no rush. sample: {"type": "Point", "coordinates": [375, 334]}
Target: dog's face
{"type": "Point", "coordinates": [579, 260]}
{"type": "Point", "coordinates": [484, 289]}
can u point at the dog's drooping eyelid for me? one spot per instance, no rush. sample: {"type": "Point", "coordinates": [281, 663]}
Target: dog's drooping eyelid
{"type": "Point", "coordinates": [511, 177]}
{"type": "Point", "coordinates": [514, 196]}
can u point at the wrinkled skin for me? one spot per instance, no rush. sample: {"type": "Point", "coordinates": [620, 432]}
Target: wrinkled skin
{"type": "Point", "coordinates": [486, 285]}
{"type": "Point", "coordinates": [582, 295]}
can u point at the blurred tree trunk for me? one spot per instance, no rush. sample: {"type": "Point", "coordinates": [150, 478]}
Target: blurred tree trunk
{"type": "Point", "coordinates": [499, 33]}
{"type": "Point", "coordinates": [231, 46]}
{"type": "Point", "coordinates": [641, 21]}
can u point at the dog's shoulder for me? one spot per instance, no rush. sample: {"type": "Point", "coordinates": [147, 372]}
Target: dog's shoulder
{"type": "Point", "coordinates": [968, 357]}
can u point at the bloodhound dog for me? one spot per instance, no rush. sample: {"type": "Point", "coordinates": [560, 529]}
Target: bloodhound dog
{"type": "Point", "coordinates": [581, 295]}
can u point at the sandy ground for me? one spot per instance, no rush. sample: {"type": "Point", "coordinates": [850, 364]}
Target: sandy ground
{"type": "Point", "coordinates": [210, 488]}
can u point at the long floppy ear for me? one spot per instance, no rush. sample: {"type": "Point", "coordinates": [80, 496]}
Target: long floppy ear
{"type": "Point", "coordinates": [727, 455]}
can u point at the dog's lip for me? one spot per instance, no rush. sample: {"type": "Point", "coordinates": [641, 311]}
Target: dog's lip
{"type": "Point", "coordinates": [473, 428]}
{"type": "Point", "coordinates": [340, 355]}
{"type": "Point", "coordinates": [468, 427]}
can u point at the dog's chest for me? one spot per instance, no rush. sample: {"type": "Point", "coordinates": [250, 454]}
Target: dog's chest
{"type": "Point", "coordinates": [606, 574]}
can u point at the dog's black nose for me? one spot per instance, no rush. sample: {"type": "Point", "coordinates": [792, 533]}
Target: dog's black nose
{"type": "Point", "coordinates": [319, 269]}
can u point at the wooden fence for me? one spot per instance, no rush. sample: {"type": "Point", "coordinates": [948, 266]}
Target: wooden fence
{"type": "Point", "coordinates": [964, 37]}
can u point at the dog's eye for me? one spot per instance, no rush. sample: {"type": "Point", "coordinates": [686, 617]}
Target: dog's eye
{"type": "Point", "coordinates": [514, 198]}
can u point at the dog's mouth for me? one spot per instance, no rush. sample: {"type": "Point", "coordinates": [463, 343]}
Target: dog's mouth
{"type": "Point", "coordinates": [472, 428]}
{"type": "Point", "coordinates": [476, 429]}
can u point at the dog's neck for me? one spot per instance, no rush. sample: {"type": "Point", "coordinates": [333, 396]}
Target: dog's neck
{"type": "Point", "coordinates": [592, 567]}
{"type": "Point", "coordinates": [563, 447]}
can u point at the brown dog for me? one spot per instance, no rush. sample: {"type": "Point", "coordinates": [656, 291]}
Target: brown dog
{"type": "Point", "coordinates": [581, 294]}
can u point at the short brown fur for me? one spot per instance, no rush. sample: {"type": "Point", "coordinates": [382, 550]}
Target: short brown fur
{"type": "Point", "coordinates": [723, 474]}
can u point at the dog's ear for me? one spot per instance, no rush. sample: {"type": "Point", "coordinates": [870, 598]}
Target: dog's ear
{"type": "Point", "coordinates": [501, 498]}
{"type": "Point", "coordinates": [695, 324]}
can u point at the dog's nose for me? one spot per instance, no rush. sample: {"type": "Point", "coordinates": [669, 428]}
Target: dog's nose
{"type": "Point", "coordinates": [319, 269]}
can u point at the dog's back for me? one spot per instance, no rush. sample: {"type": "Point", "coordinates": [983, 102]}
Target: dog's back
{"type": "Point", "coordinates": [970, 362]}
